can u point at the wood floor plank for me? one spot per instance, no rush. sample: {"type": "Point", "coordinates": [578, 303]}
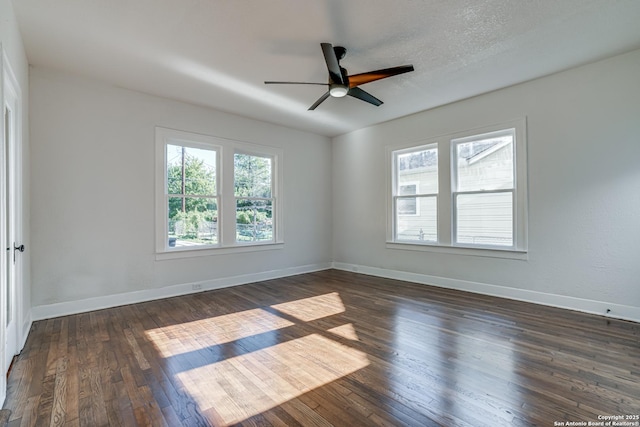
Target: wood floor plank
{"type": "Point", "coordinates": [326, 349]}
{"type": "Point", "coordinates": [18, 391]}
{"type": "Point", "coordinates": [29, 414]}
{"type": "Point", "coordinates": [45, 403]}
{"type": "Point", "coordinates": [59, 409]}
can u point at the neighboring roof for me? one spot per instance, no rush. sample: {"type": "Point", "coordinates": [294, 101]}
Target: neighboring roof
{"type": "Point", "coordinates": [469, 150]}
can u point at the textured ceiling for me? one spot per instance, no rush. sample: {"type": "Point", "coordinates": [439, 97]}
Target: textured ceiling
{"type": "Point", "coordinates": [218, 53]}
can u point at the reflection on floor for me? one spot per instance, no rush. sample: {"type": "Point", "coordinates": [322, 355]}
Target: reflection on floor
{"type": "Point", "coordinates": [326, 348]}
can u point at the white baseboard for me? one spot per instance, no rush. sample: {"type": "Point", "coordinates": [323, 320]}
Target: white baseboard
{"type": "Point", "coordinates": [26, 328]}
{"type": "Point", "coordinates": [617, 311]}
{"type": "Point", "coordinates": [49, 311]}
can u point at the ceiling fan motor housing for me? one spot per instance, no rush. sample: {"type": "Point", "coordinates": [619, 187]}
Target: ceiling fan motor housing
{"type": "Point", "coordinates": [338, 90]}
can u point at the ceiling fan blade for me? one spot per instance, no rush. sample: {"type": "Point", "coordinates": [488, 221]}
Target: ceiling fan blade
{"type": "Point", "coordinates": [360, 79]}
{"type": "Point", "coordinates": [356, 92]}
{"type": "Point", "coordinates": [319, 101]}
{"type": "Point", "coordinates": [294, 83]}
{"type": "Point", "coordinates": [333, 66]}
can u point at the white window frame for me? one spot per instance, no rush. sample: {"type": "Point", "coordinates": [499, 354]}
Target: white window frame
{"type": "Point", "coordinates": [275, 213]}
{"type": "Point", "coordinates": [395, 187]}
{"type": "Point", "coordinates": [225, 150]}
{"type": "Point", "coordinates": [216, 196]}
{"type": "Point", "coordinates": [456, 192]}
{"type": "Point", "coordinates": [446, 195]}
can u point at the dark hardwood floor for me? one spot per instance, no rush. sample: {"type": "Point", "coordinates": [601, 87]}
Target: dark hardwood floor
{"type": "Point", "coordinates": [327, 348]}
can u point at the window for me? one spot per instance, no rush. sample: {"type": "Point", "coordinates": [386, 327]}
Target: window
{"type": "Point", "coordinates": [214, 194]}
{"type": "Point", "coordinates": [416, 194]}
{"type": "Point", "coordinates": [484, 189]}
{"type": "Point", "coordinates": [408, 205]}
{"type": "Point", "coordinates": [472, 195]}
{"type": "Point", "coordinates": [254, 198]}
{"type": "Point", "coordinates": [192, 196]}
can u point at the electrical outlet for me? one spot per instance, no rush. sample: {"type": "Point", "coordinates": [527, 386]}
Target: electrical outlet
{"type": "Point", "coordinates": [196, 287]}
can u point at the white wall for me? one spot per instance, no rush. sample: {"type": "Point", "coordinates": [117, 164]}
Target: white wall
{"type": "Point", "coordinates": [584, 192]}
{"type": "Point", "coordinates": [11, 43]}
{"type": "Point", "coordinates": [93, 195]}
{"type": "Point", "coordinates": [92, 163]}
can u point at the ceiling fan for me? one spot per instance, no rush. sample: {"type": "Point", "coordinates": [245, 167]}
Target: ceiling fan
{"type": "Point", "coordinates": [341, 84]}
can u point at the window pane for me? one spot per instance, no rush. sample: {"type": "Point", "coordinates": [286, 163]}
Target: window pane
{"type": "Point", "coordinates": [252, 176]}
{"type": "Point", "coordinates": [254, 220]}
{"type": "Point", "coordinates": [420, 169]}
{"type": "Point", "coordinates": [407, 205]}
{"type": "Point", "coordinates": [485, 164]}
{"type": "Point", "coordinates": [485, 219]}
{"type": "Point", "coordinates": [192, 221]}
{"type": "Point", "coordinates": [191, 171]}
{"type": "Point", "coordinates": [422, 224]}
{"type": "Point", "coordinates": [408, 190]}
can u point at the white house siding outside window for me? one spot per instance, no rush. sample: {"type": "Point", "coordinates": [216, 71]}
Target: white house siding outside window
{"type": "Point", "coordinates": [416, 195]}
{"type": "Point", "coordinates": [483, 172]}
{"type": "Point", "coordinates": [464, 190]}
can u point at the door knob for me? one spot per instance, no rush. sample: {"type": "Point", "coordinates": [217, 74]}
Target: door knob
{"type": "Point", "coordinates": [16, 248]}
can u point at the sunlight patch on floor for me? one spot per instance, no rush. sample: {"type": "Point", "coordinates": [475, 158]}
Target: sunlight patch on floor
{"type": "Point", "coordinates": [345, 331]}
{"type": "Point", "coordinates": [181, 338]}
{"type": "Point", "coordinates": [312, 308]}
{"type": "Point", "coordinates": [240, 387]}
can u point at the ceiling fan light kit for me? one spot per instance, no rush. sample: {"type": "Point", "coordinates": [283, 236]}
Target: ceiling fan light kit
{"type": "Point", "coordinates": [341, 84]}
{"type": "Point", "coordinates": [338, 91]}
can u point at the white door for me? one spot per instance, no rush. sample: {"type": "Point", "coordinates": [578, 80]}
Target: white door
{"type": "Point", "coordinates": [9, 216]}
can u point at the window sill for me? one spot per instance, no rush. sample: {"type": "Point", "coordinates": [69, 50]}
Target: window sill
{"type": "Point", "coordinates": [219, 250]}
{"type": "Point", "coordinates": [459, 250]}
